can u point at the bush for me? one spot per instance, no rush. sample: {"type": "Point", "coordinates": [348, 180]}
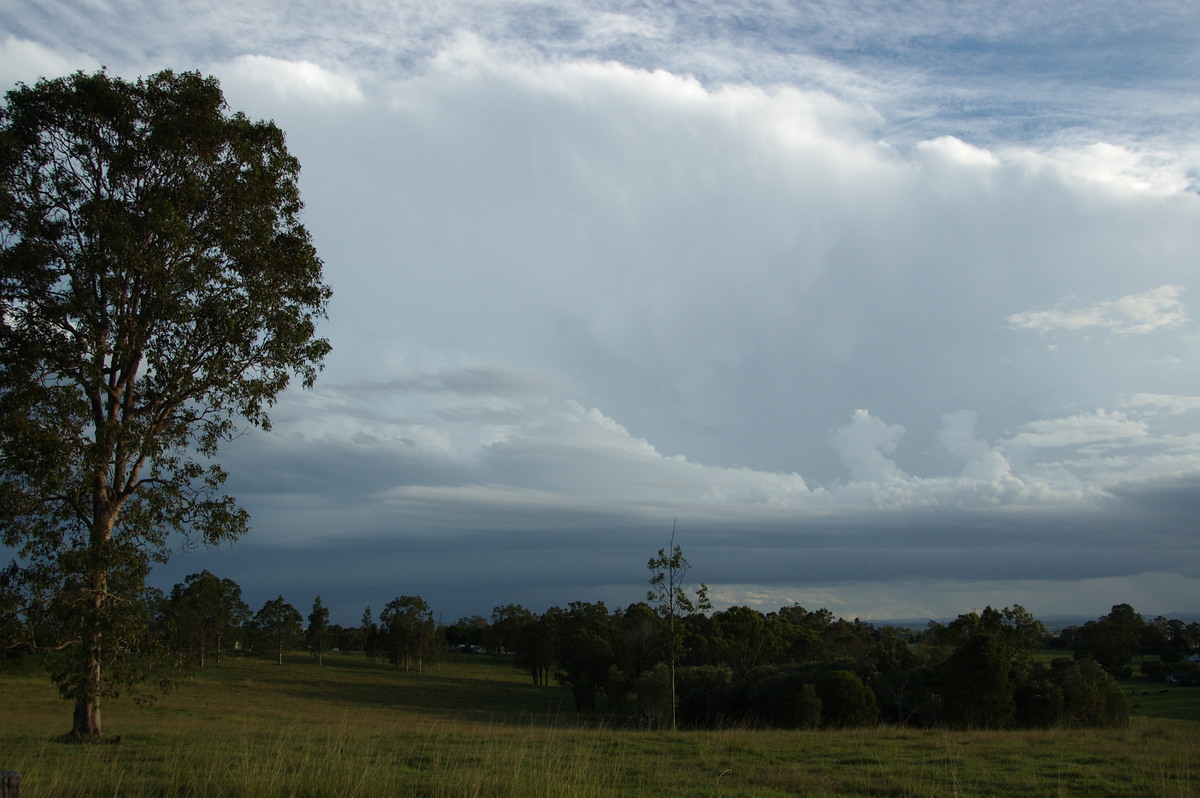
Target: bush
{"type": "Point", "coordinates": [704, 696]}
{"type": "Point", "coordinates": [1155, 670]}
{"type": "Point", "coordinates": [1091, 697]}
{"type": "Point", "coordinates": [845, 701]}
{"type": "Point", "coordinates": [653, 690]}
{"type": "Point", "coordinates": [1039, 699]}
{"type": "Point", "coordinates": [808, 707]}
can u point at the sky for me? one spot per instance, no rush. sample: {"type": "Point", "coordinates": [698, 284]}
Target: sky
{"type": "Point", "coordinates": [888, 308]}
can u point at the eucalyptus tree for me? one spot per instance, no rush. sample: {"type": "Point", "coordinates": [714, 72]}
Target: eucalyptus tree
{"type": "Point", "coordinates": [670, 600]}
{"type": "Point", "coordinates": [157, 292]}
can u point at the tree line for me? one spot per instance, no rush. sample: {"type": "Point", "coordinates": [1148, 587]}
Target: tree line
{"type": "Point", "coordinates": [799, 668]}
{"type": "Point", "coordinates": [789, 668]}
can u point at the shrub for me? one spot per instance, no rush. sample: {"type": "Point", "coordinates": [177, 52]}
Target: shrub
{"type": "Point", "coordinates": [845, 701]}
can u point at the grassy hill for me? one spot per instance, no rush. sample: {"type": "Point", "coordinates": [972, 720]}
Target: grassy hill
{"type": "Point", "coordinates": [474, 726]}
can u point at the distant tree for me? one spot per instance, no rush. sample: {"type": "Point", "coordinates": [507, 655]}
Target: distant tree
{"type": "Point", "coordinates": [898, 676]}
{"type": "Point", "coordinates": [370, 632]}
{"type": "Point", "coordinates": [278, 625]}
{"type": "Point", "coordinates": [408, 631]}
{"type": "Point", "coordinates": [1112, 640]}
{"type": "Point", "coordinates": [348, 638]}
{"type": "Point", "coordinates": [584, 650]}
{"type": "Point", "coordinates": [640, 642]}
{"type": "Point", "coordinates": [157, 291]}
{"type": "Point", "coordinates": [203, 612]}
{"type": "Point", "coordinates": [993, 652]}
{"type": "Point", "coordinates": [536, 643]}
{"type": "Point", "coordinates": [799, 632]}
{"type": "Point", "coordinates": [667, 595]}
{"type": "Point", "coordinates": [317, 635]}
{"type": "Point", "coordinates": [744, 637]}
{"type": "Point", "coordinates": [506, 627]}
{"type": "Point", "coordinates": [843, 638]}
{"type": "Point", "coordinates": [467, 632]}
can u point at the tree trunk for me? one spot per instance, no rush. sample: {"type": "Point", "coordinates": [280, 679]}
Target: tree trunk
{"type": "Point", "coordinates": [86, 722]}
{"type": "Point", "coordinates": [674, 727]}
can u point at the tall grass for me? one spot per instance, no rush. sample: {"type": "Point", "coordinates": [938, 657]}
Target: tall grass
{"type": "Point", "coordinates": [473, 727]}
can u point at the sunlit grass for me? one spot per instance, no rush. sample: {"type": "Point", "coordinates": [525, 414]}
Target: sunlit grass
{"type": "Point", "coordinates": [475, 727]}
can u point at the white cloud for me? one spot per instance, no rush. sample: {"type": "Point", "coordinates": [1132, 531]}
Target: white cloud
{"type": "Point", "coordinates": [293, 81]}
{"type": "Point", "coordinates": [864, 445]}
{"type": "Point", "coordinates": [958, 153]}
{"type": "Point", "coordinates": [1147, 312]}
{"type": "Point", "coordinates": [1175, 405]}
{"type": "Point", "coordinates": [1114, 167]}
{"type": "Point", "coordinates": [1100, 426]}
{"type": "Point", "coordinates": [26, 61]}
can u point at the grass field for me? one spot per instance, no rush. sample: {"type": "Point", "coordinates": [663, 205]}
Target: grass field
{"type": "Point", "coordinates": [473, 727]}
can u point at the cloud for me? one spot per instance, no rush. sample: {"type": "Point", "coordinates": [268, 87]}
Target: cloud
{"type": "Point", "coordinates": [1115, 167]}
{"type": "Point", "coordinates": [864, 444]}
{"type": "Point", "coordinates": [1087, 428]}
{"type": "Point", "coordinates": [470, 381]}
{"type": "Point", "coordinates": [1175, 405]}
{"type": "Point", "coordinates": [26, 61]}
{"type": "Point", "coordinates": [597, 268]}
{"type": "Point", "coordinates": [289, 81]}
{"type": "Point", "coordinates": [1141, 313]}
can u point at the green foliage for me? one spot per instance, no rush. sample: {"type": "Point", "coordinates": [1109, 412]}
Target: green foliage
{"type": "Point", "coordinates": [407, 632]}
{"type": "Point", "coordinates": [584, 635]}
{"type": "Point", "coordinates": [317, 635]}
{"type": "Point", "coordinates": [655, 700]}
{"type": "Point", "coordinates": [537, 644]}
{"type": "Point", "coordinates": [156, 289]}
{"type": "Point", "coordinates": [638, 642]}
{"type": "Point", "coordinates": [275, 628]}
{"type": "Point", "coordinates": [845, 701]}
{"type": "Point", "coordinates": [202, 614]}
{"type": "Point", "coordinates": [1091, 697]}
{"type": "Point", "coordinates": [977, 685]}
{"type": "Point", "coordinates": [1112, 640]}
{"type": "Point", "coordinates": [471, 632]}
{"type": "Point", "coordinates": [707, 696]}
{"type": "Point", "coordinates": [505, 628]}
{"type": "Point", "coordinates": [808, 707]}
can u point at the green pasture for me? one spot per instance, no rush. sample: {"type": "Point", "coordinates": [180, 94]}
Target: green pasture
{"type": "Point", "coordinates": [473, 726]}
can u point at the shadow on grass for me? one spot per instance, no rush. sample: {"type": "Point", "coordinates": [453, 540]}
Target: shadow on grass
{"type": "Point", "coordinates": [478, 692]}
